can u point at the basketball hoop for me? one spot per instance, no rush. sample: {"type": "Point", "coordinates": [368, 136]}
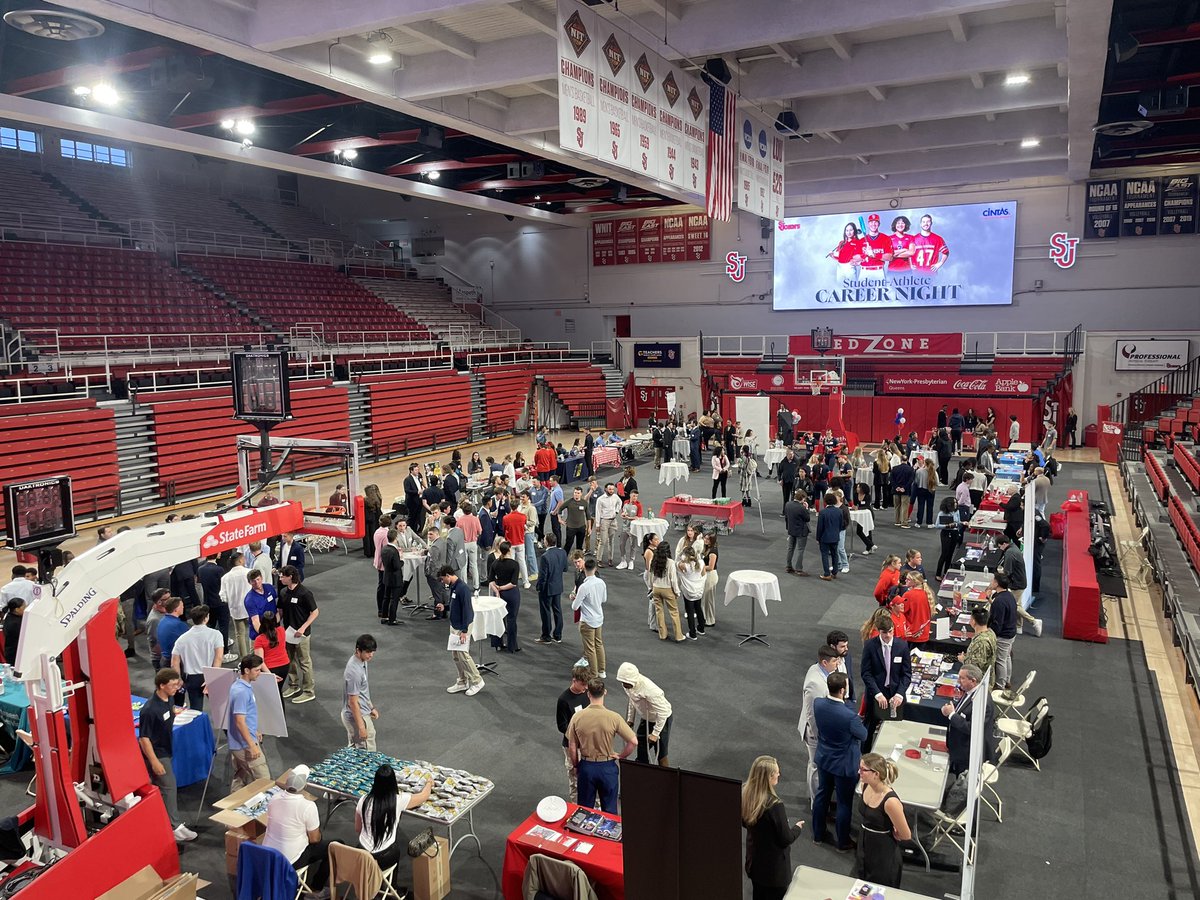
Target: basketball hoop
{"type": "Point", "coordinates": [815, 387]}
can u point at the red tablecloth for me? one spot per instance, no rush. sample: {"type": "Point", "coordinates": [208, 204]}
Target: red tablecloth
{"type": "Point", "coordinates": [994, 500]}
{"type": "Point", "coordinates": [604, 866]}
{"type": "Point", "coordinates": [1080, 590]}
{"type": "Point", "coordinates": [733, 513]}
{"type": "Point", "coordinates": [605, 456]}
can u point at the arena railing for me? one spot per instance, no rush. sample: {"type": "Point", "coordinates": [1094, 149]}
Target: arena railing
{"type": "Point", "coordinates": [988, 344]}
{"type": "Point", "coordinates": [1140, 407]}
{"type": "Point", "coordinates": [59, 386]}
{"type": "Point", "coordinates": [382, 341]}
{"type": "Point", "coordinates": [464, 337]}
{"type": "Point", "coordinates": [744, 345]}
{"type": "Point", "coordinates": [122, 349]}
{"type": "Point", "coordinates": [439, 359]}
{"type": "Point", "coordinates": [208, 376]}
{"type": "Point", "coordinates": [528, 355]}
{"type": "Point", "coordinates": [36, 228]}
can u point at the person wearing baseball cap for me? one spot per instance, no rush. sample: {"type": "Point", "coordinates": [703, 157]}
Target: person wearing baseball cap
{"type": "Point", "coordinates": [877, 248]}
{"type": "Point", "coordinates": [294, 829]}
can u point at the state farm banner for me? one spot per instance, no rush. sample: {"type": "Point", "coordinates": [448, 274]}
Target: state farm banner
{"type": "Point", "coordinates": [946, 344]}
{"type": "Point", "coordinates": [578, 112]}
{"type": "Point", "coordinates": [956, 384]}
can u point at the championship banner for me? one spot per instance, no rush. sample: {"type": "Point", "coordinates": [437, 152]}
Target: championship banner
{"type": "Point", "coordinates": [944, 344]}
{"type": "Point", "coordinates": [753, 163]}
{"type": "Point", "coordinates": [695, 133]}
{"type": "Point", "coordinates": [578, 112]}
{"type": "Point", "coordinates": [627, 241]}
{"type": "Point", "coordinates": [651, 239]}
{"type": "Point", "coordinates": [612, 88]}
{"type": "Point", "coordinates": [646, 150]}
{"type": "Point", "coordinates": [604, 243]}
{"type": "Point", "coordinates": [699, 237]}
{"type": "Point", "coordinates": [671, 112]}
{"type": "Point", "coordinates": [1179, 193]}
{"type": "Point", "coordinates": [1139, 207]}
{"type": "Point", "coordinates": [674, 239]}
{"type": "Point", "coordinates": [657, 356]}
{"type": "Point", "coordinates": [942, 384]}
{"type": "Point", "coordinates": [950, 256]}
{"type": "Point", "coordinates": [778, 159]}
{"type": "Point", "coordinates": [1102, 209]}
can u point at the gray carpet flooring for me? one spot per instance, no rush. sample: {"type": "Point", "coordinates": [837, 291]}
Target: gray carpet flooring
{"type": "Point", "coordinates": [1102, 818]}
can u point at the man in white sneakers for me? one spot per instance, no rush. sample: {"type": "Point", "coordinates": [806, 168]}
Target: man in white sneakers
{"type": "Point", "coordinates": [462, 614]}
{"type": "Point", "coordinates": [156, 724]}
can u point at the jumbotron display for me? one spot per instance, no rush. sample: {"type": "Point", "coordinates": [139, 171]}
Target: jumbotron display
{"type": "Point", "coordinates": [924, 256]}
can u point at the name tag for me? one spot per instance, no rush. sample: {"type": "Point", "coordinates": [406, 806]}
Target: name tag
{"type": "Point", "coordinates": [897, 659]}
{"type": "Point", "coordinates": [166, 716]}
{"type": "Point", "coordinates": [295, 600]}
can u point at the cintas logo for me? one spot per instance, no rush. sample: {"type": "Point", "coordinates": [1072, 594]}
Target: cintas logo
{"type": "Point", "coordinates": [735, 266]}
{"type": "Point", "coordinates": [994, 211]}
{"type": "Point", "coordinates": [577, 33]}
{"type": "Point", "coordinates": [614, 54]}
{"type": "Point", "coordinates": [1062, 249]}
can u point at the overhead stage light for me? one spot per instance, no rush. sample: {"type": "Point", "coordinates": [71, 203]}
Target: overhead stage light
{"type": "Point", "coordinates": [244, 127]}
{"type": "Point", "coordinates": [227, 124]}
{"type": "Point", "coordinates": [1016, 79]}
{"type": "Point", "coordinates": [379, 54]}
{"type": "Point", "coordinates": [105, 94]}
{"type": "Point", "coordinates": [434, 175]}
{"type": "Point", "coordinates": [82, 90]}
{"type": "Point", "coordinates": [1030, 143]}
{"type": "Point", "coordinates": [350, 154]}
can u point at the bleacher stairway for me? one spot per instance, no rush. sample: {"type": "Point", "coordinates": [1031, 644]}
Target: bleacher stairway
{"type": "Point", "coordinates": [614, 380]}
{"type": "Point", "coordinates": [360, 415]}
{"type": "Point", "coordinates": [478, 405]}
{"type": "Point", "coordinates": [136, 458]}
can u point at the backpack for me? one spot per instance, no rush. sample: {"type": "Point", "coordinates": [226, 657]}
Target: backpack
{"type": "Point", "coordinates": [1038, 744]}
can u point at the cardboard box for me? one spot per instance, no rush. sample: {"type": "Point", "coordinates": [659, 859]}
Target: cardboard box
{"type": "Point", "coordinates": [431, 874]}
{"type": "Point", "coordinates": [145, 884]}
{"type": "Point", "coordinates": [227, 806]}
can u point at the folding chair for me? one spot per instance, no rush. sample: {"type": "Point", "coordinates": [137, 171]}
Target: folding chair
{"type": "Point", "coordinates": [343, 857]}
{"type": "Point", "coordinates": [950, 828]}
{"type": "Point", "coordinates": [1017, 731]}
{"type": "Point", "coordinates": [1009, 701]}
{"type": "Point", "coordinates": [989, 775]}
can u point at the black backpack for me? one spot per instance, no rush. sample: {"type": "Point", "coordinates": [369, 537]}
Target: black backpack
{"type": "Point", "coordinates": [1039, 742]}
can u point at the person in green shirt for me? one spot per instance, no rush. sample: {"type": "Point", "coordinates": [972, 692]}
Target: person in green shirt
{"type": "Point", "coordinates": [982, 649]}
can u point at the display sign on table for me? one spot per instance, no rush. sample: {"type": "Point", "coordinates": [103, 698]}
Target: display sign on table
{"type": "Point", "coordinates": [945, 344]}
{"type": "Point", "coordinates": [1149, 355]}
{"type": "Point", "coordinates": [1139, 207]}
{"type": "Point", "coordinates": [759, 165]}
{"type": "Point", "coordinates": [657, 355]}
{"type": "Point", "coordinates": [1102, 209]}
{"type": "Point", "coordinates": [622, 103]}
{"type": "Point", "coordinates": [887, 258]}
{"type": "Point", "coordinates": [651, 239]}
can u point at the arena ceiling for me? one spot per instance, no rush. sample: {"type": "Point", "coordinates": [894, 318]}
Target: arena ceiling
{"type": "Point", "coordinates": [889, 97]}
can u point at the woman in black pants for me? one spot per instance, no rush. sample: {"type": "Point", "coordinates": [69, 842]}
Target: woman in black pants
{"type": "Point", "coordinates": [720, 474]}
{"type": "Point", "coordinates": [952, 532]}
{"type": "Point", "coordinates": [769, 834]}
{"type": "Point", "coordinates": [506, 576]}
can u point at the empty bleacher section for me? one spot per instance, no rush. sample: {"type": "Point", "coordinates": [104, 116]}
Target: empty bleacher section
{"type": "Point", "coordinates": [580, 387]}
{"type": "Point", "coordinates": [194, 432]}
{"type": "Point", "coordinates": [308, 297]}
{"type": "Point", "coordinates": [428, 302]}
{"type": "Point", "coordinates": [507, 391]}
{"type": "Point", "coordinates": [295, 223]}
{"type": "Point", "coordinates": [71, 437]}
{"type": "Point", "coordinates": [410, 412]}
{"type": "Point", "coordinates": [82, 291]}
{"type": "Point", "coordinates": [32, 209]}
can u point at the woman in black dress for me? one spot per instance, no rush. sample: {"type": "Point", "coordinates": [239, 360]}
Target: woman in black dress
{"type": "Point", "coordinates": [769, 835]}
{"type": "Point", "coordinates": [506, 576]}
{"type": "Point", "coordinates": [372, 509]}
{"type": "Point", "coordinates": [884, 826]}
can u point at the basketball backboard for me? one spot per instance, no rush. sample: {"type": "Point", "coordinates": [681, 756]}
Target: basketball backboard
{"type": "Point", "coordinates": [321, 475]}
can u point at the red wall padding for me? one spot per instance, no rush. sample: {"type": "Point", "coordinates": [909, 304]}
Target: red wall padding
{"type": "Point", "coordinates": [195, 432]}
{"type": "Point", "coordinates": [73, 438]}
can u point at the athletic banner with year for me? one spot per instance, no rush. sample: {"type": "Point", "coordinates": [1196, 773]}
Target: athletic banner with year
{"type": "Point", "coordinates": [578, 109]}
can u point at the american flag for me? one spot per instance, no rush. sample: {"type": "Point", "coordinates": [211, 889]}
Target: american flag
{"type": "Point", "coordinates": [718, 181]}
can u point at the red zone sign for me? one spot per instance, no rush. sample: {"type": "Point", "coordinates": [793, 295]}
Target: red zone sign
{"type": "Point", "coordinates": [253, 525]}
{"type": "Point", "coordinates": [940, 384]}
{"type": "Point", "coordinates": [882, 345]}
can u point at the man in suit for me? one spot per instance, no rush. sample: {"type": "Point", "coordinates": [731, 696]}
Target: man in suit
{"type": "Point", "coordinates": [816, 687]}
{"type": "Point", "coordinates": [289, 552]}
{"type": "Point", "coordinates": [840, 642]}
{"type": "Point", "coordinates": [829, 532]}
{"type": "Point", "coordinates": [959, 716]}
{"type": "Point", "coordinates": [840, 733]}
{"type": "Point", "coordinates": [886, 673]}
{"type": "Point", "coordinates": [589, 444]}
{"type": "Point", "coordinates": [414, 485]}
{"type": "Point", "coordinates": [797, 514]}
{"type": "Point", "coordinates": [785, 474]}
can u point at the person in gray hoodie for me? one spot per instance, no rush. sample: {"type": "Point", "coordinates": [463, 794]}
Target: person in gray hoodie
{"type": "Point", "coordinates": [649, 710]}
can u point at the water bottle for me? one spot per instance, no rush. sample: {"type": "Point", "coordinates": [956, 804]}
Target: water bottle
{"type": "Point", "coordinates": [962, 569]}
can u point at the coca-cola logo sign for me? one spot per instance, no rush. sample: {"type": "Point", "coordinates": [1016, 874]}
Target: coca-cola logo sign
{"type": "Point", "coordinates": [939, 384]}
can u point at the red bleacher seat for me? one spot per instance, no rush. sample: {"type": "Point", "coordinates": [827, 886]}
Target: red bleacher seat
{"type": "Point", "coordinates": [580, 386]}
{"type": "Point", "coordinates": [507, 390]}
{"type": "Point", "coordinates": [418, 409]}
{"type": "Point", "coordinates": [1185, 458]}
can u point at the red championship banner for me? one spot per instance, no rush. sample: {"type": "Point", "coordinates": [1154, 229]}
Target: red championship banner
{"type": "Point", "coordinates": [627, 241]}
{"type": "Point", "coordinates": [674, 239]}
{"type": "Point", "coordinates": [956, 384]}
{"type": "Point", "coordinates": [651, 239]}
{"type": "Point", "coordinates": [604, 243]}
{"type": "Point", "coordinates": [882, 345]}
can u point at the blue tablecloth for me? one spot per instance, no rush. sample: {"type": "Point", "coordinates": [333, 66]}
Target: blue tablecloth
{"type": "Point", "coordinates": [193, 743]}
{"type": "Point", "coordinates": [573, 468]}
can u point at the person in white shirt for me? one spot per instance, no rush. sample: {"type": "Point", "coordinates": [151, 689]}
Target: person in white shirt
{"type": "Point", "coordinates": [815, 687]}
{"type": "Point", "coordinates": [590, 598]}
{"type": "Point", "coordinates": [294, 829]}
{"type": "Point", "coordinates": [22, 585]}
{"type": "Point", "coordinates": [608, 508]}
{"type": "Point", "coordinates": [259, 557]}
{"type": "Point", "coordinates": [196, 648]}
{"type": "Point", "coordinates": [233, 592]}
{"type": "Point", "coordinates": [648, 703]}
{"type": "Point", "coordinates": [377, 817]}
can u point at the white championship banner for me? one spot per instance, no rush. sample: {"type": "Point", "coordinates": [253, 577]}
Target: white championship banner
{"type": "Point", "coordinates": [613, 90]}
{"type": "Point", "coordinates": [672, 108]}
{"type": "Point", "coordinates": [578, 112]}
{"type": "Point", "coordinates": [760, 166]}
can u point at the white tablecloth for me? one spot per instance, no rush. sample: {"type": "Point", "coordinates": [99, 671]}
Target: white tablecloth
{"type": "Point", "coordinates": [672, 472]}
{"type": "Point", "coordinates": [762, 586]}
{"type": "Point", "coordinates": [639, 528]}
{"type": "Point", "coordinates": [489, 616]}
{"type": "Point", "coordinates": [864, 518]}
{"type": "Point", "coordinates": [864, 475]}
{"type": "Point", "coordinates": [773, 455]}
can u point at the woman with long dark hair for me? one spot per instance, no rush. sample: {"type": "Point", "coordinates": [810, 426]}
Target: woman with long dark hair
{"type": "Point", "coordinates": [665, 590]}
{"type": "Point", "coordinates": [691, 585]}
{"type": "Point", "coordinates": [848, 252]}
{"type": "Point", "coordinates": [372, 509]}
{"type": "Point", "coordinates": [377, 817]}
{"type": "Point", "coordinates": [271, 645]}
{"type": "Point", "coordinates": [506, 578]}
{"type": "Point", "coordinates": [708, 602]}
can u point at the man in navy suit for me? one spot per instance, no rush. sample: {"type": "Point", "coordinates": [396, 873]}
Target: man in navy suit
{"type": "Point", "coordinates": [886, 673]}
{"type": "Point", "coordinates": [840, 733]}
{"type": "Point", "coordinates": [960, 714]}
{"type": "Point", "coordinates": [290, 552]}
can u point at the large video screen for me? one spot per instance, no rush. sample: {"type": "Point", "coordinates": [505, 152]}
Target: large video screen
{"type": "Point", "coordinates": [921, 256]}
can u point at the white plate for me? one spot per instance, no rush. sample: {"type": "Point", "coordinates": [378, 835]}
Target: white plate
{"type": "Point", "coordinates": [552, 809]}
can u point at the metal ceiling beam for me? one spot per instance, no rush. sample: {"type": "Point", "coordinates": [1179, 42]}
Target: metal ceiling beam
{"type": "Point", "coordinates": [307, 103]}
{"type": "Point", "coordinates": [443, 38]}
{"type": "Point", "coordinates": [921, 136]}
{"type": "Point", "coordinates": [985, 177]}
{"type": "Point", "coordinates": [504, 184]}
{"type": "Point", "coordinates": [840, 46]}
{"type": "Point", "coordinates": [1027, 44]}
{"type": "Point", "coordinates": [84, 72]}
{"type": "Point", "coordinates": [957, 28]}
{"type": "Point", "coordinates": [497, 64]}
{"type": "Point", "coordinates": [450, 165]}
{"type": "Point", "coordinates": [928, 161]}
{"type": "Point", "coordinates": [1087, 50]}
{"type": "Point", "coordinates": [542, 21]}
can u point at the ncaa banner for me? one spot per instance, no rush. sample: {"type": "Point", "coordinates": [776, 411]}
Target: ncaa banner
{"type": "Point", "coordinates": [645, 99]}
{"type": "Point", "coordinates": [657, 356]}
{"type": "Point", "coordinates": [671, 112]}
{"type": "Point", "coordinates": [578, 55]}
{"type": "Point", "coordinates": [613, 85]}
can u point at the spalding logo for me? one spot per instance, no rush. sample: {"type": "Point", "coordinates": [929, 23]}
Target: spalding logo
{"type": "Point", "coordinates": [996, 211]}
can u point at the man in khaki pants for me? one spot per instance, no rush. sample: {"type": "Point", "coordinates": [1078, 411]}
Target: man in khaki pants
{"type": "Point", "coordinates": [299, 610]}
{"type": "Point", "coordinates": [245, 740]}
{"type": "Point", "coordinates": [590, 598]}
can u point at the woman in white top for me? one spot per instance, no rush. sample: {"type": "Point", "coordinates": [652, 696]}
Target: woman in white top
{"type": "Point", "coordinates": [691, 583]}
{"type": "Point", "coordinates": [377, 817]}
{"type": "Point", "coordinates": [664, 588]}
{"type": "Point", "coordinates": [692, 537]}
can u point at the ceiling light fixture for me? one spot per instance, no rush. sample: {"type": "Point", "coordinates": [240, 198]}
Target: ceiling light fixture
{"type": "Point", "coordinates": [537, 196]}
{"type": "Point", "coordinates": [379, 54]}
{"type": "Point", "coordinates": [82, 90]}
{"type": "Point", "coordinates": [244, 127]}
{"type": "Point", "coordinates": [227, 124]}
{"type": "Point", "coordinates": [434, 175]}
{"type": "Point", "coordinates": [105, 94]}
{"type": "Point", "coordinates": [1029, 143]}
{"type": "Point", "coordinates": [246, 142]}
{"type": "Point", "coordinates": [350, 154]}
{"type": "Point", "coordinates": [380, 58]}
{"type": "Point", "coordinates": [1016, 79]}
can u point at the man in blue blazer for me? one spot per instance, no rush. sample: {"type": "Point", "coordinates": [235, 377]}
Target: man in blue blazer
{"type": "Point", "coordinates": [829, 532]}
{"type": "Point", "coordinates": [840, 733]}
{"type": "Point", "coordinates": [289, 552]}
{"type": "Point", "coordinates": [886, 673]}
